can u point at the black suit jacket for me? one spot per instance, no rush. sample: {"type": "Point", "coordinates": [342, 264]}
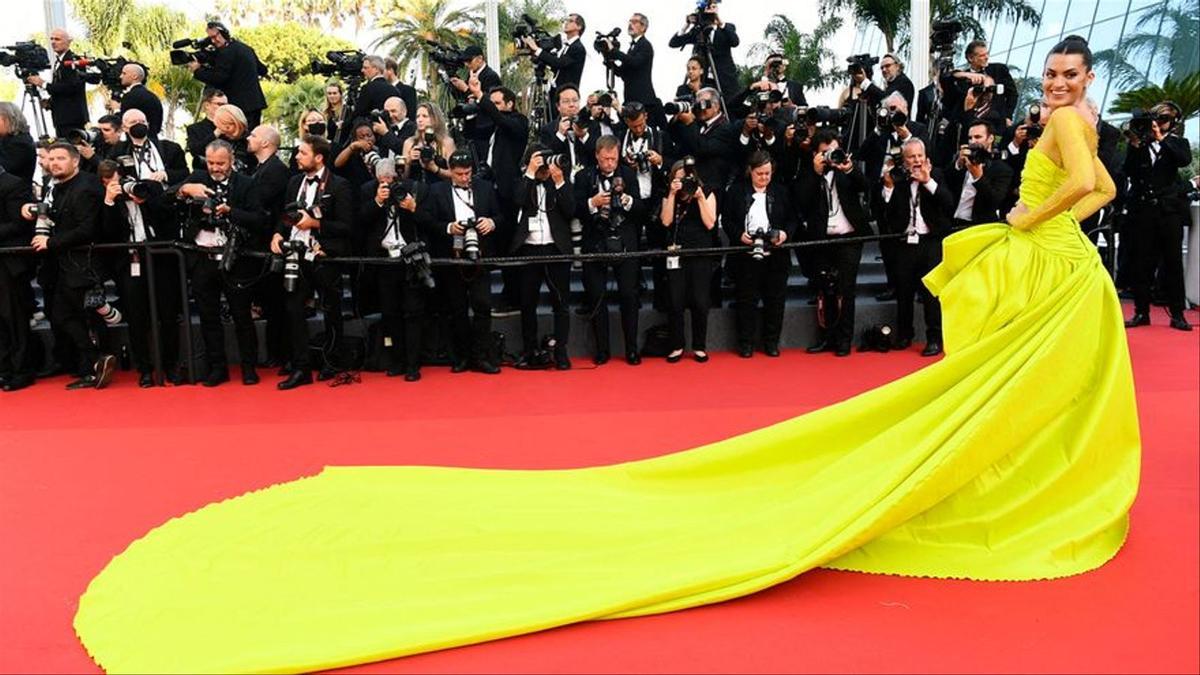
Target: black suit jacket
{"type": "Point", "coordinates": [235, 70]}
{"type": "Point", "coordinates": [724, 39]}
{"type": "Point", "coordinates": [904, 86]}
{"type": "Point", "coordinates": [584, 152]}
{"type": "Point", "coordinates": [199, 135]}
{"type": "Point", "coordinates": [18, 155]}
{"type": "Point", "coordinates": [560, 209]}
{"type": "Point", "coordinates": [271, 179]}
{"type": "Point", "coordinates": [1158, 179]}
{"type": "Point", "coordinates": [157, 215]}
{"type": "Point", "coordinates": [372, 97]}
{"type": "Point", "coordinates": [737, 203]}
{"type": "Point", "coordinates": [374, 219]}
{"type": "Point", "coordinates": [814, 200]}
{"type": "Point", "coordinates": [567, 68]}
{"type": "Point", "coordinates": [408, 94]}
{"type": "Point", "coordinates": [336, 200]}
{"type": "Point", "coordinates": [937, 208]}
{"type": "Point", "coordinates": [68, 98]}
{"type": "Point", "coordinates": [924, 104]}
{"type": "Point", "coordinates": [512, 131]}
{"type": "Point", "coordinates": [874, 148]}
{"type": "Point", "coordinates": [15, 192]}
{"type": "Point", "coordinates": [439, 211]}
{"type": "Point", "coordinates": [635, 69]}
{"type": "Point", "coordinates": [172, 156]}
{"type": "Point", "coordinates": [141, 98]}
{"type": "Point", "coordinates": [594, 230]}
{"type": "Point", "coordinates": [245, 208]}
{"type": "Point", "coordinates": [76, 215]}
{"type": "Point", "coordinates": [714, 149]}
{"type": "Point", "coordinates": [991, 191]}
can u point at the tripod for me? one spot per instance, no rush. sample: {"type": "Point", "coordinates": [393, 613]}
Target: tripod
{"type": "Point", "coordinates": [348, 103]}
{"type": "Point", "coordinates": [704, 48]}
{"type": "Point", "coordinates": [539, 99]}
{"type": "Point", "coordinates": [33, 98]}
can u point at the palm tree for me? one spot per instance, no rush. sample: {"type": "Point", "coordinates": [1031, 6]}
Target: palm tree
{"type": "Point", "coordinates": [104, 21]}
{"type": "Point", "coordinates": [810, 60]}
{"type": "Point", "coordinates": [1165, 41]}
{"type": "Point", "coordinates": [407, 24]}
{"type": "Point", "coordinates": [517, 71]}
{"type": "Point", "coordinates": [891, 17]}
{"type": "Point", "coordinates": [1185, 92]}
{"type": "Point", "coordinates": [885, 15]}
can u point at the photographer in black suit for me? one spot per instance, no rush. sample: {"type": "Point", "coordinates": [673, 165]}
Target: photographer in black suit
{"type": "Point", "coordinates": [893, 73]}
{"type": "Point", "coordinates": [233, 68]}
{"type": "Point", "coordinates": [758, 214]}
{"type": "Point", "coordinates": [711, 35]}
{"type": "Point", "coordinates": [389, 213]}
{"type": "Point", "coordinates": [478, 68]}
{"type": "Point", "coordinates": [979, 180]}
{"type": "Point", "coordinates": [137, 97]}
{"type": "Point", "coordinates": [1156, 209]}
{"type": "Point", "coordinates": [222, 207]}
{"type": "Point", "coordinates": [984, 77]}
{"type": "Point", "coordinates": [465, 221]}
{"type": "Point", "coordinates": [829, 193]}
{"type": "Point", "coordinates": [74, 221]}
{"type": "Point", "coordinates": [647, 149]}
{"type": "Point", "coordinates": [390, 136]}
{"type": "Point", "coordinates": [202, 132]}
{"type": "Point", "coordinates": [546, 203]}
{"type": "Point", "coordinates": [16, 291]}
{"type": "Point", "coordinates": [774, 77]}
{"type": "Point", "coordinates": [568, 58]}
{"type": "Point", "coordinates": [68, 96]}
{"type": "Point", "coordinates": [376, 90]}
{"type": "Point", "coordinates": [408, 93]}
{"type": "Point", "coordinates": [920, 206]}
{"type": "Point", "coordinates": [271, 178]}
{"type": "Point", "coordinates": [706, 134]}
{"type": "Point", "coordinates": [320, 224]}
{"type": "Point", "coordinates": [570, 133]}
{"type": "Point", "coordinates": [610, 211]}
{"type": "Point", "coordinates": [635, 68]}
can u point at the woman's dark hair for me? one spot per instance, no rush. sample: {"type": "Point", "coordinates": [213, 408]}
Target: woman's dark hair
{"type": "Point", "coordinates": [758, 159]}
{"type": "Point", "coordinates": [1074, 44]}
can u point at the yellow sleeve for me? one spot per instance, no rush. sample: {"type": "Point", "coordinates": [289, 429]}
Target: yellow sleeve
{"type": "Point", "coordinates": [1105, 192]}
{"type": "Point", "coordinates": [1067, 131]}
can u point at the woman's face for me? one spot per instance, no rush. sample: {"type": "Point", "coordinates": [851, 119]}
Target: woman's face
{"type": "Point", "coordinates": [313, 117]}
{"type": "Point", "coordinates": [1065, 80]}
{"type": "Point", "coordinates": [227, 125]}
{"type": "Point", "coordinates": [423, 119]}
{"type": "Point", "coordinates": [693, 71]}
{"type": "Point", "coordinates": [333, 95]}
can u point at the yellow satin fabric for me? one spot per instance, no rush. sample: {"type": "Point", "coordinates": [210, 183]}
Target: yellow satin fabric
{"type": "Point", "coordinates": [1015, 457]}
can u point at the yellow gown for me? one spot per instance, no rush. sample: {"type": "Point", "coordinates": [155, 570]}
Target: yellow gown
{"type": "Point", "coordinates": [1015, 457]}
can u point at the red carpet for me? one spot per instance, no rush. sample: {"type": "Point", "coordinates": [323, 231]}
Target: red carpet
{"type": "Point", "coordinates": [82, 474]}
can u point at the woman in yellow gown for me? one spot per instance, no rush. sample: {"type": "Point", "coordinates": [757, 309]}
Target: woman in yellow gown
{"type": "Point", "coordinates": [1015, 457]}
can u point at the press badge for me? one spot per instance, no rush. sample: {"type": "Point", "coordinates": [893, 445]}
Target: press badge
{"type": "Point", "coordinates": [913, 237]}
{"type": "Point", "coordinates": [135, 266]}
{"type": "Point", "coordinates": [673, 260]}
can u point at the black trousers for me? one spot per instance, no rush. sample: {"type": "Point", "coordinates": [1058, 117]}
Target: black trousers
{"type": "Point", "coordinates": [764, 280]}
{"type": "Point", "coordinates": [135, 297]}
{"type": "Point", "coordinates": [843, 260]}
{"type": "Point", "coordinates": [595, 287]}
{"type": "Point", "coordinates": [1156, 239]}
{"type": "Point", "coordinates": [208, 284]}
{"type": "Point", "coordinates": [16, 309]}
{"type": "Point", "coordinates": [268, 294]}
{"type": "Point", "coordinates": [253, 118]}
{"type": "Point", "coordinates": [689, 286]}
{"type": "Point", "coordinates": [888, 251]}
{"type": "Point", "coordinates": [557, 278]}
{"type": "Point", "coordinates": [914, 261]}
{"type": "Point", "coordinates": [326, 279]}
{"type": "Point", "coordinates": [63, 351]}
{"type": "Point", "coordinates": [464, 289]}
{"type": "Point", "coordinates": [403, 308]}
{"type": "Point", "coordinates": [69, 316]}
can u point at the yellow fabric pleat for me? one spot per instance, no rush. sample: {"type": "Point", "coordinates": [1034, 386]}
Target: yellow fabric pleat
{"type": "Point", "coordinates": [1015, 457]}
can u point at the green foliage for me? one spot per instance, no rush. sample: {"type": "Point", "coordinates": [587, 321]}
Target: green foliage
{"type": "Point", "coordinates": [308, 13]}
{"type": "Point", "coordinates": [1164, 43]}
{"type": "Point", "coordinates": [406, 24]}
{"type": "Point", "coordinates": [810, 60]}
{"type": "Point", "coordinates": [287, 49]}
{"type": "Point", "coordinates": [285, 102]}
{"type": "Point", "coordinates": [517, 71]}
{"type": "Point", "coordinates": [1185, 92]}
{"type": "Point", "coordinates": [891, 17]}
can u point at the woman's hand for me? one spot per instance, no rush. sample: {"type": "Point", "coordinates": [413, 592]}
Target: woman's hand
{"type": "Point", "coordinates": [1017, 214]}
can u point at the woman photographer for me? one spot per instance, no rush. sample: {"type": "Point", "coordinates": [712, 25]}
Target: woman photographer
{"type": "Point", "coordinates": [689, 212]}
{"type": "Point", "coordinates": [694, 81]}
{"type": "Point", "coordinates": [334, 103]}
{"type": "Point", "coordinates": [311, 121]}
{"type": "Point", "coordinates": [428, 151]}
{"type": "Point", "coordinates": [231, 126]}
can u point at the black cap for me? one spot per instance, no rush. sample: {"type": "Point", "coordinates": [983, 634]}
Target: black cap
{"type": "Point", "coordinates": [471, 52]}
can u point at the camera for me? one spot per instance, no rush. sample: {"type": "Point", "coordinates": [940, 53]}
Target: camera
{"type": "Point", "coordinates": [776, 68]}
{"type": "Point", "coordinates": [202, 51]}
{"type": "Point", "coordinates": [641, 160]}
{"type": "Point", "coordinates": [860, 63]}
{"type": "Point", "coordinates": [464, 110]}
{"type": "Point", "coordinates": [834, 156]}
{"type": "Point", "coordinates": [344, 63]}
{"type": "Point", "coordinates": [705, 14]}
{"type": "Point", "coordinates": [288, 262]}
{"type": "Point", "coordinates": [690, 181]}
{"type": "Point", "coordinates": [1035, 113]}
{"type": "Point", "coordinates": [1140, 126]}
{"type": "Point", "coordinates": [823, 115]}
{"type": "Point", "coordinates": [44, 214]}
{"type": "Point", "coordinates": [887, 118]}
{"type": "Point", "coordinates": [979, 154]}
{"type": "Point", "coordinates": [899, 172]}
{"type": "Point", "coordinates": [466, 245]}
{"type": "Point", "coordinates": [943, 36]}
{"type": "Point", "coordinates": [449, 58]}
{"type": "Point", "coordinates": [398, 191]}
{"type": "Point", "coordinates": [562, 160]}
{"type": "Point", "coordinates": [131, 186]}
{"type": "Point", "coordinates": [981, 89]}
{"type": "Point", "coordinates": [381, 116]}
{"type": "Point", "coordinates": [107, 72]}
{"type": "Point", "coordinates": [877, 338]}
{"type": "Point", "coordinates": [527, 27]}
{"type": "Point", "coordinates": [97, 300]}
{"type": "Point", "coordinates": [91, 137]}
{"type": "Point", "coordinates": [680, 105]}
{"type": "Point", "coordinates": [428, 147]}
{"type": "Point", "coordinates": [416, 258]}
{"type": "Point", "coordinates": [371, 158]}
{"type": "Point", "coordinates": [606, 42]}
{"type": "Point", "coordinates": [762, 241]}
{"type": "Point", "coordinates": [28, 58]}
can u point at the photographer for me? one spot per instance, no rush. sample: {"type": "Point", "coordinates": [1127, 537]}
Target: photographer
{"type": "Point", "coordinates": [354, 161]}
{"type": "Point", "coordinates": [17, 153]}
{"type": "Point", "coordinates": [981, 180]}
{"type": "Point", "coordinates": [569, 134]}
{"type": "Point", "coordinates": [980, 77]}
{"type": "Point", "coordinates": [233, 68]}
{"type": "Point", "coordinates": [464, 215]}
{"type": "Point", "coordinates": [376, 90]}
{"type": "Point", "coordinates": [694, 80]}
{"type": "Point", "coordinates": [389, 212]}
{"type": "Point", "coordinates": [137, 97]}
{"type": "Point", "coordinates": [1021, 138]}
{"type": "Point", "coordinates": [761, 128]}
{"type": "Point", "coordinates": [73, 221]}
{"type": "Point", "coordinates": [222, 209]}
{"type": "Point", "coordinates": [68, 95]}
{"type": "Point", "coordinates": [635, 67]}
{"type": "Point", "coordinates": [96, 143]}
{"type": "Point", "coordinates": [610, 211]}
{"type": "Point", "coordinates": [893, 128]}
{"type": "Point", "coordinates": [689, 212]}
{"type": "Point", "coordinates": [427, 153]}
{"type": "Point", "coordinates": [705, 133]}
{"type": "Point", "coordinates": [758, 213]}
{"type": "Point", "coordinates": [861, 99]}
{"type": "Point", "coordinates": [334, 110]}
{"type": "Point", "coordinates": [645, 148]}
{"type": "Point", "coordinates": [897, 82]}
{"type": "Point", "coordinates": [919, 205]}
{"type": "Point", "coordinates": [567, 60]}
{"type": "Point", "coordinates": [393, 133]}
{"type": "Point", "coordinates": [233, 128]}
{"type": "Point", "coordinates": [829, 192]}
{"type": "Point", "coordinates": [774, 77]}
{"type": "Point", "coordinates": [709, 35]}
{"type": "Point", "coordinates": [1157, 207]}
{"type": "Point", "coordinates": [271, 178]}
{"type": "Point", "coordinates": [408, 93]}
{"type": "Point", "coordinates": [16, 291]}
{"type": "Point", "coordinates": [202, 132]}
{"type": "Point", "coordinates": [478, 69]}
{"type": "Point", "coordinates": [319, 225]}
{"type": "Point", "coordinates": [546, 204]}
{"type": "Point", "coordinates": [156, 160]}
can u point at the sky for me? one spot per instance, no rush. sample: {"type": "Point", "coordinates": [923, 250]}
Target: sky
{"type": "Point", "coordinates": [666, 18]}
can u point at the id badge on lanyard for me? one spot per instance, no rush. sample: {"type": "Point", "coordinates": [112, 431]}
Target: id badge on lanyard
{"type": "Point", "coordinates": [135, 264]}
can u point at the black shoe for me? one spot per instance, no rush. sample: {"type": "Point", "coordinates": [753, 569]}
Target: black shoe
{"type": "Point", "coordinates": [901, 344]}
{"type": "Point", "coordinates": [249, 376]}
{"type": "Point", "coordinates": [745, 351]}
{"type": "Point", "coordinates": [18, 382]}
{"type": "Point", "coordinates": [561, 360]}
{"type": "Point", "coordinates": [460, 366]}
{"type": "Point", "coordinates": [106, 365]}
{"type": "Point", "coordinates": [216, 376]}
{"type": "Point", "coordinates": [296, 379]}
{"type": "Point", "coordinates": [487, 367]}
{"type": "Point", "coordinates": [771, 350]}
{"type": "Point", "coordinates": [600, 358]}
{"type": "Point", "coordinates": [819, 346]}
{"type": "Point", "coordinates": [842, 350]}
{"type": "Point", "coordinates": [326, 373]}
{"type": "Point", "coordinates": [886, 296]}
{"type": "Point", "coordinates": [174, 377]}
{"type": "Point", "coordinates": [932, 348]}
{"type": "Point", "coordinates": [1138, 319]}
{"type": "Point", "coordinates": [284, 370]}
{"type": "Point", "coordinates": [412, 375]}
{"type": "Point", "coordinates": [146, 380]}
{"type": "Point", "coordinates": [700, 356]}
{"type": "Point", "coordinates": [4, 380]}
{"type": "Point", "coordinates": [1179, 322]}
{"type": "Point", "coordinates": [675, 358]}
{"type": "Point", "coordinates": [85, 382]}
{"type": "Point", "coordinates": [633, 358]}
{"type": "Point", "coordinates": [395, 371]}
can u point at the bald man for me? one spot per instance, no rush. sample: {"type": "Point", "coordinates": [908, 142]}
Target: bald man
{"type": "Point", "coordinates": [68, 99]}
{"type": "Point", "coordinates": [155, 159]}
{"type": "Point", "coordinates": [137, 97]}
{"type": "Point", "coordinates": [399, 128]}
